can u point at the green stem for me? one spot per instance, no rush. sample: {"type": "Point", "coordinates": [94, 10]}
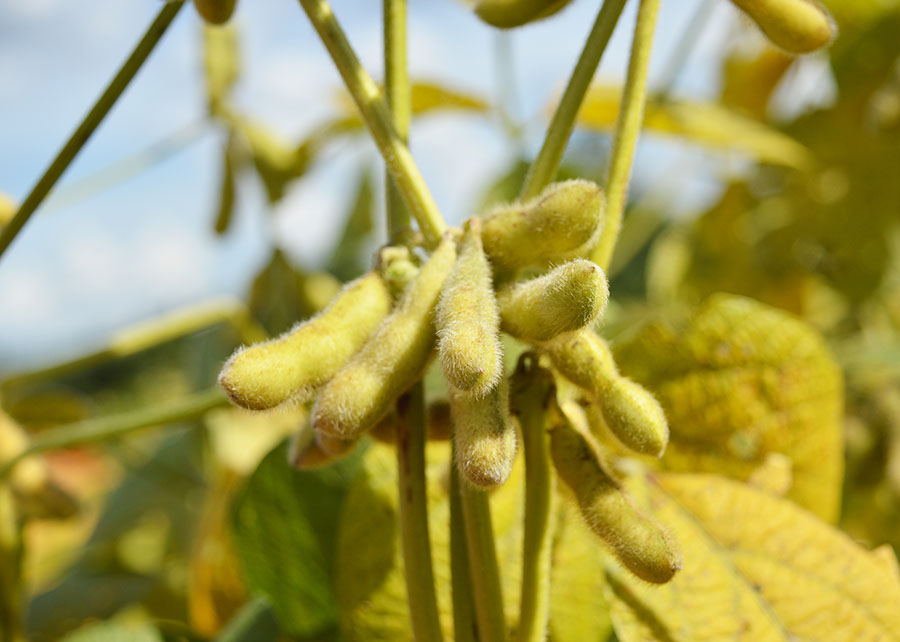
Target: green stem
{"type": "Point", "coordinates": [399, 100]}
{"type": "Point", "coordinates": [486, 587]}
{"type": "Point", "coordinates": [545, 166]}
{"type": "Point", "coordinates": [628, 126]}
{"type": "Point", "coordinates": [119, 425]}
{"type": "Point", "coordinates": [465, 628]}
{"type": "Point", "coordinates": [534, 606]}
{"type": "Point", "coordinates": [375, 113]}
{"type": "Point", "coordinates": [94, 117]}
{"type": "Point", "coordinates": [413, 515]}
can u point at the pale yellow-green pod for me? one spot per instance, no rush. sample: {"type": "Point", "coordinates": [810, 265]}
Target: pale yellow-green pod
{"type": "Point", "coordinates": [467, 320]}
{"type": "Point", "coordinates": [294, 365]}
{"type": "Point", "coordinates": [215, 11]}
{"type": "Point", "coordinates": [630, 412]}
{"type": "Point", "coordinates": [564, 300]}
{"type": "Point", "coordinates": [555, 225]}
{"type": "Point", "coordinates": [484, 435]}
{"type": "Point", "coordinates": [392, 359]}
{"type": "Point", "coordinates": [507, 14]}
{"type": "Point", "coordinates": [643, 546]}
{"type": "Point", "coordinates": [797, 26]}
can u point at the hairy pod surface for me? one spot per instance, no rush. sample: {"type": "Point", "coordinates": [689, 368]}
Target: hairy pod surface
{"type": "Point", "coordinates": [484, 435]}
{"type": "Point", "coordinates": [553, 226]}
{"type": "Point", "coordinates": [391, 360]}
{"type": "Point", "coordinates": [797, 26]}
{"type": "Point", "coordinates": [565, 299]}
{"type": "Point", "coordinates": [215, 11]}
{"type": "Point", "coordinates": [507, 14]}
{"type": "Point", "coordinates": [630, 411]}
{"type": "Point", "coordinates": [642, 545]}
{"type": "Point", "coordinates": [292, 366]}
{"type": "Point", "coordinates": [467, 320]}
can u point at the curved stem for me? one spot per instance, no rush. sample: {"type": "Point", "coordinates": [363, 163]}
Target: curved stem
{"type": "Point", "coordinates": [486, 588]}
{"type": "Point", "coordinates": [396, 88]}
{"type": "Point", "coordinates": [464, 625]}
{"type": "Point", "coordinates": [94, 117]}
{"type": "Point", "coordinates": [378, 120]}
{"type": "Point", "coordinates": [628, 126]}
{"type": "Point", "coordinates": [413, 511]}
{"type": "Point", "coordinates": [545, 166]}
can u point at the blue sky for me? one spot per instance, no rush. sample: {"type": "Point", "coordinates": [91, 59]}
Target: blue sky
{"type": "Point", "coordinates": [77, 273]}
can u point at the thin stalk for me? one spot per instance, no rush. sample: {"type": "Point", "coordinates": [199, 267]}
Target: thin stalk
{"type": "Point", "coordinates": [94, 117]}
{"type": "Point", "coordinates": [486, 588]}
{"type": "Point", "coordinates": [545, 166]}
{"type": "Point", "coordinates": [628, 127]}
{"type": "Point", "coordinates": [413, 516]}
{"type": "Point", "coordinates": [534, 605]}
{"type": "Point", "coordinates": [375, 113]}
{"type": "Point", "coordinates": [121, 424]}
{"type": "Point", "coordinates": [465, 628]}
{"type": "Point", "coordinates": [399, 100]}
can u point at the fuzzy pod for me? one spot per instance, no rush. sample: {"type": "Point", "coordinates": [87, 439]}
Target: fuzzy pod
{"type": "Point", "coordinates": [484, 436]}
{"type": "Point", "coordinates": [563, 219]}
{"type": "Point", "coordinates": [215, 12]}
{"type": "Point", "coordinates": [507, 14]}
{"type": "Point", "coordinates": [643, 546]}
{"type": "Point", "coordinates": [797, 26]}
{"type": "Point", "coordinates": [392, 359]}
{"type": "Point", "coordinates": [467, 320]}
{"type": "Point", "coordinates": [630, 411]}
{"type": "Point", "coordinates": [295, 364]}
{"type": "Point", "coordinates": [565, 299]}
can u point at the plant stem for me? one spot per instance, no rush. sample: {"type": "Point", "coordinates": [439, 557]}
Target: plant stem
{"type": "Point", "coordinates": [534, 607]}
{"type": "Point", "coordinates": [628, 126]}
{"type": "Point", "coordinates": [399, 101]}
{"type": "Point", "coordinates": [545, 166]}
{"type": "Point", "coordinates": [119, 425]}
{"type": "Point", "coordinates": [94, 117]}
{"type": "Point", "coordinates": [465, 628]}
{"type": "Point", "coordinates": [413, 514]}
{"type": "Point", "coordinates": [368, 100]}
{"type": "Point", "coordinates": [486, 588]}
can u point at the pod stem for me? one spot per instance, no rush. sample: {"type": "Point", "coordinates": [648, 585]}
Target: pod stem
{"type": "Point", "coordinates": [628, 126]}
{"type": "Point", "coordinates": [413, 515]}
{"type": "Point", "coordinates": [399, 101]}
{"type": "Point", "coordinates": [545, 166]}
{"type": "Point", "coordinates": [534, 606]}
{"type": "Point", "coordinates": [465, 628]}
{"type": "Point", "coordinates": [486, 588]}
{"type": "Point", "coordinates": [375, 114]}
{"type": "Point", "coordinates": [93, 118]}
{"type": "Point", "coordinates": [118, 425]}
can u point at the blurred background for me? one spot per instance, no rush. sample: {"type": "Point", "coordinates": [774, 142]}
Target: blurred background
{"type": "Point", "coordinates": [232, 187]}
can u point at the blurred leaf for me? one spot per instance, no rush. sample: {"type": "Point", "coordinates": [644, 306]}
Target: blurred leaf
{"type": "Point", "coordinates": [285, 525]}
{"type": "Point", "coordinates": [347, 261]}
{"type": "Point", "coordinates": [8, 208]}
{"type": "Point", "coordinates": [255, 622]}
{"type": "Point", "coordinates": [859, 13]}
{"type": "Point", "coordinates": [225, 208]}
{"type": "Point", "coordinates": [748, 82]}
{"type": "Point", "coordinates": [705, 124]}
{"type": "Point", "coordinates": [756, 567]}
{"type": "Point", "coordinates": [741, 380]}
{"type": "Point", "coordinates": [114, 631]}
{"type": "Point", "coordinates": [276, 160]}
{"type": "Point", "coordinates": [221, 64]}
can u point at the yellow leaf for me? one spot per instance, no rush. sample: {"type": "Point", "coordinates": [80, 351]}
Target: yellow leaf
{"type": "Point", "coordinates": [703, 123]}
{"type": "Point", "coordinates": [742, 380]}
{"type": "Point", "coordinates": [757, 568]}
{"type": "Point", "coordinates": [425, 97]}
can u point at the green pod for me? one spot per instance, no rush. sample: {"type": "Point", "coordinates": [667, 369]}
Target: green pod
{"type": "Point", "coordinates": [392, 359]}
{"type": "Point", "coordinates": [295, 364]}
{"type": "Point", "coordinates": [483, 435]}
{"type": "Point", "coordinates": [507, 14]}
{"type": "Point", "coordinates": [630, 411]}
{"type": "Point", "coordinates": [642, 545]}
{"type": "Point", "coordinates": [563, 219]}
{"type": "Point", "coordinates": [215, 12]}
{"type": "Point", "coordinates": [797, 26]}
{"type": "Point", "coordinates": [467, 320]}
{"type": "Point", "coordinates": [566, 299]}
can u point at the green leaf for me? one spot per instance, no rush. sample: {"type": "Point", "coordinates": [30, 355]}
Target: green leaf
{"type": "Point", "coordinates": [114, 631]}
{"type": "Point", "coordinates": [285, 529]}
